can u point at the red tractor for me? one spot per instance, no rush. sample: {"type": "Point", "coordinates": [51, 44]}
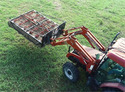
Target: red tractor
{"type": "Point", "coordinates": [104, 68]}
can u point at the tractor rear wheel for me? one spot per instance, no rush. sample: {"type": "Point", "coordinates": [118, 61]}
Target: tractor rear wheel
{"type": "Point", "coordinates": [71, 71]}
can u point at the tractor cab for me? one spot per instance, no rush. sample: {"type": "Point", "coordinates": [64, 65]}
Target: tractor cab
{"type": "Point", "coordinates": [111, 73]}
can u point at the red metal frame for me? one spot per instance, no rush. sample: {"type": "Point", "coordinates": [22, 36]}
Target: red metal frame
{"type": "Point", "coordinates": [84, 57]}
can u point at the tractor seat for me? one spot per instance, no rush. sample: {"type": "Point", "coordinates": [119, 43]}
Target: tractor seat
{"type": "Point", "coordinates": [117, 53]}
{"type": "Point", "coordinates": [93, 52]}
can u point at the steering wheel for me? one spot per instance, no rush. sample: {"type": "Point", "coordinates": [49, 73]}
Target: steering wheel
{"type": "Point", "coordinates": [114, 39]}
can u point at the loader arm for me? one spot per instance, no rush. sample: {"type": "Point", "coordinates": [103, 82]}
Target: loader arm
{"type": "Point", "coordinates": [84, 57]}
{"type": "Point", "coordinates": [89, 36]}
{"type": "Point", "coordinates": [86, 33]}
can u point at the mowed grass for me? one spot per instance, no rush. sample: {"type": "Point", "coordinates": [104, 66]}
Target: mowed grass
{"type": "Point", "coordinates": [24, 67]}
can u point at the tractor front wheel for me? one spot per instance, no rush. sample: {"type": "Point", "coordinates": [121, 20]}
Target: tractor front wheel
{"type": "Point", "coordinates": [71, 71]}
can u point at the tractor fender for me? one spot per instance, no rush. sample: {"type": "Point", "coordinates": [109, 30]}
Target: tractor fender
{"type": "Point", "coordinates": [113, 85]}
{"type": "Point", "coordinates": [75, 58]}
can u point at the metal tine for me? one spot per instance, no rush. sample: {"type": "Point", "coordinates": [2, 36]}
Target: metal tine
{"type": "Point", "coordinates": [46, 30]}
{"type": "Point", "coordinates": [35, 28]}
{"type": "Point", "coordinates": [28, 17]}
{"type": "Point", "coordinates": [25, 27]}
{"type": "Point", "coordinates": [40, 33]}
{"type": "Point", "coordinates": [46, 20]}
{"type": "Point", "coordinates": [17, 19]}
{"type": "Point", "coordinates": [23, 22]}
{"type": "Point", "coordinates": [36, 23]}
{"type": "Point", "coordinates": [36, 16]}
{"type": "Point", "coordinates": [28, 26]}
{"type": "Point", "coordinates": [48, 23]}
{"type": "Point", "coordinates": [49, 16]}
{"type": "Point", "coordinates": [50, 26]}
{"type": "Point", "coordinates": [29, 13]}
{"type": "Point", "coordinates": [32, 26]}
{"type": "Point", "coordinates": [43, 21]}
{"type": "Point", "coordinates": [30, 21]}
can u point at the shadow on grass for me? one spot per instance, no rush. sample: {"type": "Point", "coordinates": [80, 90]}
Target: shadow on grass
{"type": "Point", "coordinates": [34, 69]}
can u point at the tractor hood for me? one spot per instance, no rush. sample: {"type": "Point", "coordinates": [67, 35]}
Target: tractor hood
{"type": "Point", "coordinates": [117, 53]}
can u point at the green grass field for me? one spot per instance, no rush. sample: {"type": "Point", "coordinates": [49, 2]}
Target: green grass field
{"type": "Point", "coordinates": [24, 67]}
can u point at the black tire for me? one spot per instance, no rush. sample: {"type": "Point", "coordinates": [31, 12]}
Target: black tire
{"type": "Point", "coordinates": [71, 71]}
{"type": "Point", "coordinates": [92, 83]}
{"type": "Point", "coordinates": [111, 90]}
